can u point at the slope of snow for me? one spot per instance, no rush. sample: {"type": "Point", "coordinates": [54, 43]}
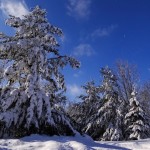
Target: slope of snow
{"type": "Point", "coordinates": [43, 142]}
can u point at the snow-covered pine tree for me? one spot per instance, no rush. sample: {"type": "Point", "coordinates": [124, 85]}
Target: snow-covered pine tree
{"type": "Point", "coordinates": [144, 97]}
{"type": "Point", "coordinates": [34, 61]}
{"type": "Point", "coordinates": [82, 111]}
{"type": "Point", "coordinates": [110, 112]}
{"type": "Point", "coordinates": [106, 123]}
{"type": "Point", "coordinates": [135, 120]}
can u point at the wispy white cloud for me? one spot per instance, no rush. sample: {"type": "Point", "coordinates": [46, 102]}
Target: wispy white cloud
{"type": "Point", "coordinates": [103, 32]}
{"type": "Point", "coordinates": [16, 8]}
{"type": "Point", "coordinates": [83, 50]}
{"type": "Point", "coordinates": [80, 9]}
{"type": "Point", "coordinates": [63, 38]}
{"type": "Point", "coordinates": [78, 74]}
{"type": "Point", "coordinates": [74, 90]}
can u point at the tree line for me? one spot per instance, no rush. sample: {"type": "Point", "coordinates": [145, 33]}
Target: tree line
{"type": "Point", "coordinates": [117, 109]}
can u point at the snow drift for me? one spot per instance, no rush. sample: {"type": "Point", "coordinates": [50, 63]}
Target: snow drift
{"type": "Point", "coordinates": [43, 142]}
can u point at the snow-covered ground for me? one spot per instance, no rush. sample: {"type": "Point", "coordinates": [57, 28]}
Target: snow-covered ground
{"type": "Point", "coordinates": [38, 142]}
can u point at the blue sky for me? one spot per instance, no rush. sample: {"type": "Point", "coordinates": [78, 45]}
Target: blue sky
{"type": "Point", "coordinates": [96, 32]}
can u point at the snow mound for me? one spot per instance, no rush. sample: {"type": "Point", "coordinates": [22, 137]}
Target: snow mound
{"type": "Point", "coordinates": [43, 142]}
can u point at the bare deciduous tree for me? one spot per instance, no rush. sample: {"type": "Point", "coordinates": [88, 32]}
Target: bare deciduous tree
{"type": "Point", "coordinates": [127, 77]}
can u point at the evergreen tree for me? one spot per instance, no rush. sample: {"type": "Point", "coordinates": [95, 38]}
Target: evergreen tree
{"type": "Point", "coordinates": [144, 98]}
{"type": "Point", "coordinates": [106, 123]}
{"type": "Point", "coordinates": [135, 120]}
{"type": "Point", "coordinates": [82, 111]}
{"type": "Point", "coordinates": [33, 78]}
